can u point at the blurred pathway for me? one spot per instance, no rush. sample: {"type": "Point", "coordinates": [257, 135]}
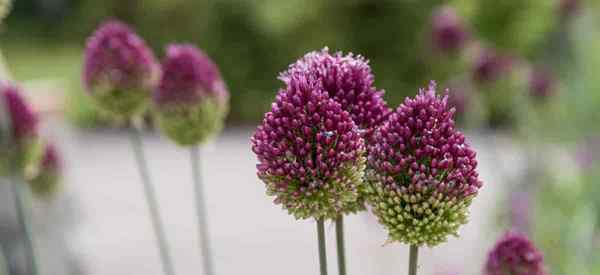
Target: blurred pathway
{"type": "Point", "coordinates": [111, 233]}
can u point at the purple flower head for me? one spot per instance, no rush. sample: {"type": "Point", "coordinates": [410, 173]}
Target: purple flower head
{"type": "Point", "coordinates": [568, 8]}
{"type": "Point", "coordinates": [422, 174]}
{"type": "Point", "coordinates": [51, 160]}
{"type": "Point", "coordinates": [348, 80]}
{"type": "Point", "coordinates": [191, 99]}
{"type": "Point", "coordinates": [514, 254]}
{"type": "Point", "coordinates": [188, 76]}
{"type": "Point", "coordinates": [23, 119]}
{"type": "Point", "coordinates": [119, 69]}
{"type": "Point", "coordinates": [310, 152]}
{"type": "Point", "coordinates": [490, 66]}
{"type": "Point", "coordinates": [448, 32]}
{"type": "Point", "coordinates": [541, 84]}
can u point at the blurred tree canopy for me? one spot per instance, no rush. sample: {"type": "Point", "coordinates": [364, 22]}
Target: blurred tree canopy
{"type": "Point", "coordinates": [252, 41]}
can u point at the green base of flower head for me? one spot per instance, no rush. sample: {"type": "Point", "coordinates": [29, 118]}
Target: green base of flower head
{"type": "Point", "coordinates": [120, 104]}
{"type": "Point", "coordinates": [193, 125]}
{"type": "Point", "coordinates": [416, 219]}
{"type": "Point", "coordinates": [18, 159]}
{"type": "Point", "coordinates": [45, 184]}
{"type": "Point", "coordinates": [340, 196]}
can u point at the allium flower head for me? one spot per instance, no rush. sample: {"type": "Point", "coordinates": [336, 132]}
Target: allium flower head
{"type": "Point", "coordinates": [568, 8]}
{"type": "Point", "coordinates": [348, 80]}
{"type": "Point", "coordinates": [514, 254]}
{"type": "Point", "coordinates": [490, 66]}
{"type": "Point", "coordinates": [119, 69]}
{"type": "Point", "coordinates": [448, 32]}
{"type": "Point", "coordinates": [310, 153]}
{"type": "Point", "coordinates": [20, 131]}
{"type": "Point", "coordinates": [22, 118]}
{"type": "Point", "coordinates": [422, 174]}
{"type": "Point", "coordinates": [49, 171]}
{"type": "Point", "coordinates": [541, 84]}
{"type": "Point", "coordinates": [191, 99]}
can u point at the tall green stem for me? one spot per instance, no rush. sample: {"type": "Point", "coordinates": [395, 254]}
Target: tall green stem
{"type": "Point", "coordinates": [341, 252]}
{"type": "Point", "coordinates": [24, 219]}
{"type": "Point", "coordinates": [322, 252]}
{"type": "Point", "coordinates": [136, 143]}
{"type": "Point", "coordinates": [413, 258]}
{"type": "Point", "coordinates": [201, 211]}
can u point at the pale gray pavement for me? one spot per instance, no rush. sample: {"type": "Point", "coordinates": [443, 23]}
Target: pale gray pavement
{"type": "Point", "coordinates": [110, 231]}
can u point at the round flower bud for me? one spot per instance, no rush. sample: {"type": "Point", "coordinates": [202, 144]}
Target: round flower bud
{"type": "Point", "coordinates": [119, 70]}
{"type": "Point", "coordinates": [490, 66]}
{"type": "Point", "coordinates": [448, 32]}
{"type": "Point", "coordinates": [422, 174]}
{"type": "Point", "coordinates": [348, 80]}
{"type": "Point", "coordinates": [541, 84]}
{"type": "Point", "coordinates": [46, 180]}
{"type": "Point", "coordinates": [310, 153]}
{"type": "Point", "coordinates": [20, 133]}
{"type": "Point", "coordinates": [191, 99]}
{"type": "Point", "coordinates": [4, 9]}
{"type": "Point", "coordinates": [514, 254]}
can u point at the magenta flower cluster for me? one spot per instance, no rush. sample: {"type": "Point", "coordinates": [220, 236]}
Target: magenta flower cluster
{"type": "Point", "coordinates": [119, 69]}
{"type": "Point", "coordinates": [311, 155]}
{"type": "Point", "coordinates": [23, 120]}
{"type": "Point", "coordinates": [188, 75]}
{"type": "Point", "coordinates": [188, 94]}
{"type": "Point", "coordinates": [349, 81]}
{"type": "Point", "coordinates": [422, 173]}
{"type": "Point", "coordinates": [514, 254]}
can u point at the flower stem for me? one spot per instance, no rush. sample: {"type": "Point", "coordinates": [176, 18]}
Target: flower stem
{"type": "Point", "coordinates": [201, 211]}
{"type": "Point", "coordinates": [322, 252]}
{"type": "Point", "coordinates": [136, 144]}
{"type": "Point", "coordinates": [24, 219]}
{"type": "Point", "coordinates": [341, 252]}
{"type": "Point", "coordinates": [413, 259]}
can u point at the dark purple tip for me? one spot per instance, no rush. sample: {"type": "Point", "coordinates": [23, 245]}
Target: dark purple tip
{"type": "Point", "coordinates": [448, 32]}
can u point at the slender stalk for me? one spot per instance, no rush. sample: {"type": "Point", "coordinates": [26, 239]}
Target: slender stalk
{"type": "Point", "coordinates": [413, 258]}
{"type": "Point", "coordinates": [24, 219]}
{"type": "Point", "coordinates": [4, 270]}
{"type": "Point", "coordinates": [136, 144]}
{"type": "Point", "coordinates": [322, 252]}
{"type": "Point", "coordinates": [201, 211]}
{"type": "Point", "coordinates": [341, 252]}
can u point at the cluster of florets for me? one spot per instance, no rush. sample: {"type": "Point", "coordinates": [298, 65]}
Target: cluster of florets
{"type": "Point", "coordinates": [48, 172]}
{"type": "Point", "coordinates": [310, 152]}
{"type": "Point", "coordinates": [20, 129]}
{"type": "Point", "coordinates": [119, 69]}
{"type": "Point", "coordinates": [422, 174]}
{"type": "Point", "coordinates": [349, 81]}
{"type": "Point", "coordinates": [191, 98]}
{"type": "Point", "coordinates": [514, 254]}
{"type": "Point", "coordinates": [448, 33]}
